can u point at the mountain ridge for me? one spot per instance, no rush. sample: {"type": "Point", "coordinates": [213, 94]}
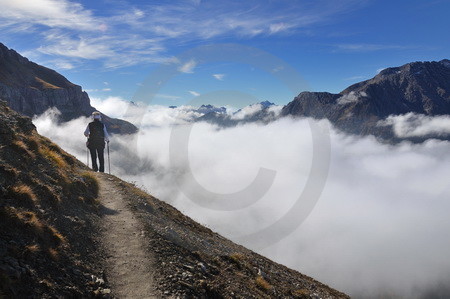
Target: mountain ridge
{"type": "Point", "coordinates": [368, 107]}
{"type": "Point", "coordinates": [417, 87]}
{"type": "Point", "coordinates": [31, 89]}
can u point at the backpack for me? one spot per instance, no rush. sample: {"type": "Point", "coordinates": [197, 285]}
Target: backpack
{"type": "Point", "coordinates": [96, 135]}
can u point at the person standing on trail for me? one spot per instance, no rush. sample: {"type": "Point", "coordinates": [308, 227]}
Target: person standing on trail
{"type": "Point", "coordinates": [97, 135]}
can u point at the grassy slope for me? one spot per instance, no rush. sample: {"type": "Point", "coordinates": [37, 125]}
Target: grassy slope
{"type": "Point", "coordinates": [48, 211]}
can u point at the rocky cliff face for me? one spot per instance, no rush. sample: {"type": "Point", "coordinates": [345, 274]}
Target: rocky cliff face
{"type": "Point", "coordinates": [418, 87]}
{"type": "Point", "coordinates": [31, 89]}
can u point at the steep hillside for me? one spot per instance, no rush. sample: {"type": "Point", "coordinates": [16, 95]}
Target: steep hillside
{"type": "Point", "coordinates": [418, 87]}
{"type": "Point", "coordinates": [48, 212]}
{"type": "Point", "coordinates": [31, 89]}
{"type": "Point", "coordinates": [195, 262]}
{"type": "Point", "coordinates": [69, 232]}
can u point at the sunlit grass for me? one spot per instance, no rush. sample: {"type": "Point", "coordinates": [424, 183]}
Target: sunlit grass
{"type": "Point", "coordinates": [23, 192]}
{"type": "Point", "coordinates": [262, 283]}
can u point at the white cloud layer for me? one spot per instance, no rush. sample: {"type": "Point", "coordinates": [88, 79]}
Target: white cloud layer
{"type": "Point", "coordinates": [111, 106]}
{"type": "Point", "coordinates": [418, 125]}
{"type": "Point", "coordinates": [379, 227]}
{"type": "Point", "coordinates": [246, 111]}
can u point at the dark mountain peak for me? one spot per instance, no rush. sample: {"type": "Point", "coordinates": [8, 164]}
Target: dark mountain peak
{"type": "Point", "coordinates": [208, 108]}
{"type": "Point", "coordinates": [266, 104]}
{"type": "Point", "coordinates": [5, 52]}
{"type": "Point", "coordinates": [418, 87]}
{"type": "Point", "coordinates": [31, 89]}
{"type": "Point", "coordinates": [413, 68]}
{"type": "Point", "coordinates": [18, 71]}
{"type": "Point", "coordinates": [445, 62]}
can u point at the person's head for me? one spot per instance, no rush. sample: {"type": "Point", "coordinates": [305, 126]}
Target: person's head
{"type": "Point", "coordinates": [96, 116]}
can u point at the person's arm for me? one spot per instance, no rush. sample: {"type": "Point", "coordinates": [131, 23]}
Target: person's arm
{"type": "Point", "coordinates": [87, 132]}
{"type": "Point", "coordinates": [106, 133]}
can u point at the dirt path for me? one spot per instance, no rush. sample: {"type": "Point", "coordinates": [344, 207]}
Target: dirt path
{"type": "Point", "coordinates": [130, 270]}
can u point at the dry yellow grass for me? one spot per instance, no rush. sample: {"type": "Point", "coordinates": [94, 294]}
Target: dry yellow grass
{"type": "Point", "coordinates": [57, 235]}
{"type": "Point", "coordinates": [31, 219]}
{"type": "Point", "coordinates": [45, 84]}
{"type": "Point", "coordinates": [262, 283]}
{"type": "Point", "coordinates": [21, 146]}
{"type": "Point", "coordinates": [237, 257]}
{"type": "Point", "coordinates": [22, 191]}
{"type": "Point", "coordinates": [301, 293]}
{"type": "Point", "coordinates": [33, 142]}
{"type": "Point", "coordinates": [54, 255]}
{"type": "Point", "coordinates": [91, 181]}
{"type": "Point", "coordinates": [32, 248]}
{"type": "Point", "coordinates": [54, 157]}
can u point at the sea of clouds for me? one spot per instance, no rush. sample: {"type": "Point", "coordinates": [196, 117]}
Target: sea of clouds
{"type": "Point", "coordinates": [380, 226]}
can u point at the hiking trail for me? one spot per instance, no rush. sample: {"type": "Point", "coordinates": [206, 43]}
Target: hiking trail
{"type": "Point", "coordinates": [129, 266]}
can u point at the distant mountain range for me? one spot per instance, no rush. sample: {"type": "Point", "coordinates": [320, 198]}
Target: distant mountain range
{"type": "Point", "coordinates": [31, 89]}
{"type": "Point", "coordinates": [422, 88]}
{"type": "Point", "coordinates": [418, 87]}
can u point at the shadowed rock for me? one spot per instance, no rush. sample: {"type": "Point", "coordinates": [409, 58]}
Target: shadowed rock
{"type": "Point", "coordinates": [31, 89]}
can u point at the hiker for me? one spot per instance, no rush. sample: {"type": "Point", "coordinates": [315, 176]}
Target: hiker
{"type": "Point", "coordinates": [97, 135]}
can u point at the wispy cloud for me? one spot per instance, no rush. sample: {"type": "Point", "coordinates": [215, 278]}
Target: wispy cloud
{"type": "Point", "coordinates": [194, 93]}
{"type": "Point", "coordinates": [51, 13]}
{"type": "Point", "coordinates": [167, 97]}
{"type": "Point", "coordinates": [78, 48]}
{"type": "Point", "coordinates": [219, 77]}
{"type": "Point", "coordinates": [351, 97]}
{"type": "Point", "coordinates": [280, 27]}
{"type": "Point", "coordinates": [130, 34]}
{"type": "Point", "coordinates": [188, 67]}
{"type": "Point", "coordinates": [353, 78]}
{"type": "Point", "coordinates": [63, 64]}
{"type": "Point", "coordinates": [368, 47]}
{"type": "Point", "coordinates": [97, 89]}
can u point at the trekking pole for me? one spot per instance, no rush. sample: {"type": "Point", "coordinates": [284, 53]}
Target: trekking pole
{"type": "Point", "coordinates": [87, 155]}
{"type": "Point", "coordinates": [109, 162]}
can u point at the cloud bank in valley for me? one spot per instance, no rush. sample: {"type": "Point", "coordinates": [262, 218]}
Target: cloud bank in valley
{"type": "Point", "coordinates": [380, 226]}
{"type": "Point", "coordinates": [418, 125]}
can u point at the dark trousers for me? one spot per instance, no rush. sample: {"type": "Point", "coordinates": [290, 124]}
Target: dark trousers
{"type": "Point", "coordinates": [94, 153]}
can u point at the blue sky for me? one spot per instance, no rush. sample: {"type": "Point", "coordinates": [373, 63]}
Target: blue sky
{"type": "Point", "coordinates": [109, 47]}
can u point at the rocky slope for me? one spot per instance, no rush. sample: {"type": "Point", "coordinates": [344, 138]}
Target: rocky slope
{"type": "Point", "coordinates": [31, 89]}
{"type": "Point", "coordinates": [195, 262]}
{"type": "Point", "coordinates": [418, 87]}
{"type": "Point", "coordinates": [48, 212]}
{"type": "Point", "coordinates": [52, 233]}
